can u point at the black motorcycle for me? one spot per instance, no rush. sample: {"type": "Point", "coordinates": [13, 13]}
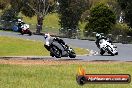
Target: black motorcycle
{"type": "Point", "coordinates": [59, 50]}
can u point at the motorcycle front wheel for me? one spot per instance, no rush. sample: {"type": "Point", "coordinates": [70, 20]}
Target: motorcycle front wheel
{"type": "Point", "coordinates": [56, 51]}
{"type": "Point", "coordinates": [72, 53]}
{"type": "Point", "coordinates": [22, 33]}
{"type": "Point", "coordinates": [109, 49]}
{"type": "Point", "coordinates": [102, 51]}
{"type": "Point", "coordinates": [116, 53]}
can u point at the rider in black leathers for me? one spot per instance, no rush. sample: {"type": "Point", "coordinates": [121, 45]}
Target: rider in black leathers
{"type": "Point", "coordinates": [20, 23]}
{"type": "Point", "coordinates": [99, 37]}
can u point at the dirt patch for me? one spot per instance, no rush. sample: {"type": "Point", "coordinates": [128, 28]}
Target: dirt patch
{"type": "Point", "coordinates": [37, 62]}
{"type": "Point", "coordinates": [20, 61]}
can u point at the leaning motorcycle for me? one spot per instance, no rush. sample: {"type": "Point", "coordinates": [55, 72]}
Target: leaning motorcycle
{"type": "Point", "coordinates": [25, 29]}
{"type": "Point", "coordinates": [59, 50]}
{"type": "Point", "coordinates": [108, 47]}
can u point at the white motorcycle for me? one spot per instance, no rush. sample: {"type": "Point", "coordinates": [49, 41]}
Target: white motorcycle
{"type": "Point", "coordinates": [108, 47]}
{"type": "Point", "coordinates": [25, 29]}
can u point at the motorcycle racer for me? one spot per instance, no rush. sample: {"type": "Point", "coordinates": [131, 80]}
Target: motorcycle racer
{"type": "Point", "coordinates": [20, 23]}
{"type": "Point", "coordinates": [50, 39]}
{"type": "Point", "coordinates": [99, 37]}
{"type": "Point", "coordinates": [105, 45]}
{"type": "Point", "coordinates": [57, 47]}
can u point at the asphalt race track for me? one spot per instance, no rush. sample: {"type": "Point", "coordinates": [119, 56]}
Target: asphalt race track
{"type": "Point", "coordinates": [125, 50]}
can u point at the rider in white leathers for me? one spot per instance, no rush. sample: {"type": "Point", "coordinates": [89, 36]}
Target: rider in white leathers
{"type": "Point", "coordinates": [49, 39]}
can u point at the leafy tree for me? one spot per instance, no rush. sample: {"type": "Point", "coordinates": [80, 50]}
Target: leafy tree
{"type": "Point", "coordinates": [126, 6]}
{"type": "Point", "coordinates": [12, 12]}
{"type": "Point", "coordinates": [70, 12]}
{"type": "Point", "coordinates": [40, 8]}
{"type": "Point", "coordinates": [122, 3]}
{"type": "Point", "coordinates": [9, 15]}
{"type": "Point", "coordinates": [128, 14]}
{"type": "Point", "coordinates": [4, 4]}
{"type": "Point", "coordinates": [101, 19]}
{"type": "Point", "coordinates": [30, 8]}
{"type": "Point", "coordinates": [112, 4]}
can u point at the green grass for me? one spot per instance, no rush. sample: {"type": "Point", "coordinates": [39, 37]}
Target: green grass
{"type": "Point", "coordinates": [11, 46]}
{"type": "Point", "coordinates": [50, 23]}
{"type": "Point", "coordinates": [51, 20]}
{"type": "Point", "coordinates": [58, 76]}
{"type": "Point", "coordinates": [20, 47]}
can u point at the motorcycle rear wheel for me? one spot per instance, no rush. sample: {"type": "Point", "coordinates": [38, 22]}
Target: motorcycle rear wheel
{"type": "Point", "coordinates": [29, 32]}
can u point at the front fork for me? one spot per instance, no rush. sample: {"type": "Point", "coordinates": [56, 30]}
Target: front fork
{"type": "Point", "coordinates": [47, 47]}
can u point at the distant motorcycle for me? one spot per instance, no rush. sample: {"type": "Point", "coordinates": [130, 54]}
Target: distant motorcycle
{"type": "Point", "coordinates": [25, 29]}
{"type": "Point", "coordinates": [59, 50]}
{"type": "Point", "coordinates": [108, 47]}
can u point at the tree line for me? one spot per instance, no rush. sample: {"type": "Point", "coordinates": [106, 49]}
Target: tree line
{"type": "Point", "coordinates": [99, 17]}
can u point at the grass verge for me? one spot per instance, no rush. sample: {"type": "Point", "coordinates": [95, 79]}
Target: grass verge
{"type": "Point", "coordinates": [59, 75]}
{"type": "Point", "coordinates": [11, 46]}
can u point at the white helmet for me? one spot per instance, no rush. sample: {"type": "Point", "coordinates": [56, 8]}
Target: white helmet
{"type": "Point", "coordinates": [19, 20]}
{"type": "Point", "coordinates": [98, 35]}
{"type": "Point", "coordinates": [47, 36]}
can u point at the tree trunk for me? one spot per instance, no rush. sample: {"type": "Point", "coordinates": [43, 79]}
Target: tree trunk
{"type": "Point", "coordinates": [39, 24]}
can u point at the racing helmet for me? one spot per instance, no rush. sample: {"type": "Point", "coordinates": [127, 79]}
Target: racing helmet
{"type": "Point", "coordinates": [47, 36]}
{"type": "Point", "coordinates": [98, 36]}
{"type": "Point", "coordinates": [20, 21]}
